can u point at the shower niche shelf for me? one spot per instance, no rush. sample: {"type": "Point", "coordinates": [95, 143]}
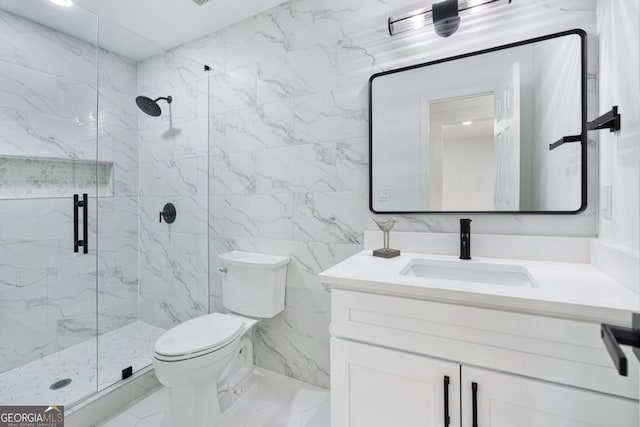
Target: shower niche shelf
{"type": "Point", "coordinates": [37, 177]}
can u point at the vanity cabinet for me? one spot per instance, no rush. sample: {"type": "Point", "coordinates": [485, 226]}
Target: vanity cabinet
{"type": "Point", "coordinates": [503, 400]}
{"type": "Point", "coordinates": [378, 387]}
{"type": "Point", "coordinates": [390, 357]}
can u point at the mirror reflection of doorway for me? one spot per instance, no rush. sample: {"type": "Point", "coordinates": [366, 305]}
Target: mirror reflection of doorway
{"type": "Point", "coordinates": [468, 165]}
{"type": "Point", "coordinates": [462, 153]}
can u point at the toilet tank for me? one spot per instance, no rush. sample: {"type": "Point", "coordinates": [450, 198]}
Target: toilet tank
{"type": "Point", "coordinates": [253, 284]}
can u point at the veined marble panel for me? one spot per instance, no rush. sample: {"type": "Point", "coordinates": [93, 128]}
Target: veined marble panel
{"type": "Point", "coordinates": [29, 90]}
{"type": "Point", "coordinates": [338, 217]}
{"type": "Point", "coordinates": [324, 21]}
{"type": "Point", "coordinates": [352, 164]}
{"type": "Point", "coordinates": [118, 214]}
{"type": "Point", "coordinates": [38, 135]}
{"type": "Point", "coordinates": [26, 344]}
{"type": "Point", "coordinates": [168, 70]}
{"type": "Point", "coordinates": [232, 173]}
{"type": "Point", "coordinates": [183, 177]}
{"type": "Point", "coordinates": [260, 215]}
{"type": "Point", "coordinates": [184, 140]}
{"type": "Point", "coordinates": [265, 35]}
{"type": "Point", "coordinates": [118, 73]}
{"type": "Point", "coordinates": [32, 219]}
{"type": "Point", "coordinates": [278, 346]}
{"type": "Point", "coordinates": [267, 126]}
{"type": "Point", "coordinates": [26, 43]}
{"type": "Point", "coordinates": [115, 316]}
{"type": "Point", "coordinates": [173, 277]}
{"type": "Point", "coordinates": [233, 90]}
{"type": "Point", "coordinates": [299, 168]}
{"type": "Point", "coordinates": [330, 116]}
{"type": "Point", "coordinates": [295, 74]}
{"type": "Point", "coordinates": [209, 50]}
{"type": "Point", "coordinates": [125, 178]}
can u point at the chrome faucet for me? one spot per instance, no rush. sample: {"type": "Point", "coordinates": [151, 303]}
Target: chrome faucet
{"type": "Point", "coordinates": [465, 238]}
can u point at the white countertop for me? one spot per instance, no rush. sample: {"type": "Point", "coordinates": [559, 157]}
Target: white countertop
{"type": "Point", "coordinates": [569, 290]}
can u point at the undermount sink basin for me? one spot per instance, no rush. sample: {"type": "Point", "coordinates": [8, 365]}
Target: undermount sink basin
{"type": "Point", "coordinates": [476, 272]}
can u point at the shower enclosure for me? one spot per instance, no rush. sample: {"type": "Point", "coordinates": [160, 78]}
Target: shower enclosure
{"type": "Point", "coordinates": [89, 275]}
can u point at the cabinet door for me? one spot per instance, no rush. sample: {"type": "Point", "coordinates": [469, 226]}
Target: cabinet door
{"type": "Point", "coordinates": [377, 387]}
{"type": "Point", "coordinates": [505, 400]}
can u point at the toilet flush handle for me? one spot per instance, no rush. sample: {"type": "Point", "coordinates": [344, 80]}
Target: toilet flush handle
{"type": "Point", "coordinates": [223, 270]}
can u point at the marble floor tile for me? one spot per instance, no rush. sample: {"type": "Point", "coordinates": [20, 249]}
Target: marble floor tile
{"type": "Point", "coordinates": [131, 345]}
{"type": "Point", "coordinates": [275, 401]}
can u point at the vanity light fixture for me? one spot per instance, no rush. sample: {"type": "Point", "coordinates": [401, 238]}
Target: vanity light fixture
{"type": "Point", "coordinates": [444, 16]}
{"type": "Point", "coordinates": [63, 3]}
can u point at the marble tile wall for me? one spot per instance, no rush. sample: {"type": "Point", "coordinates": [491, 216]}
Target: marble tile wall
{"type": "Point", "coordinates": [288, 146]}
{"type": "Point", "coordinates": [173, 168]}
{"type": "Point", "coordinates": [48, 108]}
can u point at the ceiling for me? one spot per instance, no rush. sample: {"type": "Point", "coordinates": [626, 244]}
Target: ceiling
{"type": "Point", "coordinates": [139, 28]}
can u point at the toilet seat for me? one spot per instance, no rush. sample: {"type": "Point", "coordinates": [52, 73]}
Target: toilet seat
{"type": "Point", "coordinates": [198, 337]}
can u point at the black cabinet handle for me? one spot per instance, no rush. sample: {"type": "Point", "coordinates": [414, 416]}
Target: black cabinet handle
{"type": "Point", "coordinates": [84, 204]}
{"type": "Point", "coordinates": [474, 402]}
{"type": "Point", "coordinates": [447, 419]}
{"type": "Point", "coordinates": [614, 336]}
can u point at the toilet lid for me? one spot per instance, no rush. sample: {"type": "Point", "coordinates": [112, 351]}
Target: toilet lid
{"type": "Point", "coordinates": [200, 334]}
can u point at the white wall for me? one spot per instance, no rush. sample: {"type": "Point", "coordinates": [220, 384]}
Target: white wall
{"type": "Point", "coordinates": [619, 32]}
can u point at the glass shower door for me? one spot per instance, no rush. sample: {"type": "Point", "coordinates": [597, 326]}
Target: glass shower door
{"type": "Point", "coordinates": [152, 272]}
{"type": "Point", "coordinates": [48, 81]}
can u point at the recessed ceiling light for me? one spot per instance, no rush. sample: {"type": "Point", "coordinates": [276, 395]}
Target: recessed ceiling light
{"type": "Point", "coordinates": [63, 3]}
{"type": "Point", "coordinates": [467, 123]}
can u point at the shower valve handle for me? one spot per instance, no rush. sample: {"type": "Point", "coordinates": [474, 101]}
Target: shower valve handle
{"type": "Point", "coordinates": [168, 213]}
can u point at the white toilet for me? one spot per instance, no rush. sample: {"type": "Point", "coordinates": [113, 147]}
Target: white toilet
{"type": "Point", "coordinates": [204, 359]}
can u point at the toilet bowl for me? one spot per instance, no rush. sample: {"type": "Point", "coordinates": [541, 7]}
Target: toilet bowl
{"type": "Point", "coordinates": [206, 357]}
{"type": "Point", "coordinates": [190, 364]}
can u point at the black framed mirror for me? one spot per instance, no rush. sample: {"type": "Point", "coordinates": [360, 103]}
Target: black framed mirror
{"type": "Point", "coordinates": [501, 130]}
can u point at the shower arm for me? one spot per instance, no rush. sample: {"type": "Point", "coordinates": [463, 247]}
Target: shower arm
{"type": "Point", "coordinates": [169, 99]}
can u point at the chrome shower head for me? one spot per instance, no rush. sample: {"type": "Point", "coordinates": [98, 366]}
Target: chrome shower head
{"type": "Point", "coordinates": [150, 106]}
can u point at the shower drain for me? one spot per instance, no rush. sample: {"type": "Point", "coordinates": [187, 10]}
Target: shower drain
{"type": "Point", "coordinates": [60, 384]}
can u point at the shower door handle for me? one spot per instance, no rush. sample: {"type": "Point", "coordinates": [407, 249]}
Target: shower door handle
{"type": "Point", "coordinates": [84, 204]}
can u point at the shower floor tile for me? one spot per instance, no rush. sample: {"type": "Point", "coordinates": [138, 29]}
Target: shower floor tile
{"type": "Point", "coordinates": [131, 345]}
{"type": "Point", "coordinates": [275, 401]}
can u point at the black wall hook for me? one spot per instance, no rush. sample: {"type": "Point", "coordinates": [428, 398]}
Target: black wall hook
{"type": "Point", "coordinates": [565, 140]}
{"type": "Point", "coordinates": [610, 120]}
